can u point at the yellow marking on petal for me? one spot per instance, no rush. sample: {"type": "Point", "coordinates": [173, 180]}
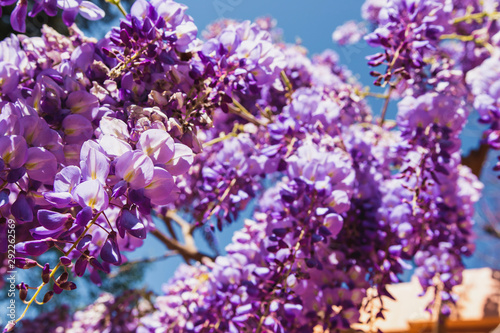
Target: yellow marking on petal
{"type": "Point", "coordinates": [30, 166]}
{"type": "Point", "coordinates": [8, 156]}
{"type": "Point", "coordinates": [129, 176]}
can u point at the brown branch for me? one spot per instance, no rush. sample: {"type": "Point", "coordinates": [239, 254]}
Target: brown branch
{"type": "Point", "coordinates": [476, 158]}
{"type": "Point", "coordinates": [170, 229]}
{"type": "Point", "coordinates": [187, 252]}
{"type": "Point", "coordinates": [186, 228]}
{"type": "Point", "coordinates": [491, 219]}
{"type": "Point", "coordinates": [386, 105]}
{"type": "Point", "coordinates": [240, 110]}
{"type": "Point", "coordinates": [128, 265]}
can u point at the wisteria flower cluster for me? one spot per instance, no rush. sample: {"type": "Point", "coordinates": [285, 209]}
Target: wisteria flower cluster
{"type": "Point", "coordinates": [103, 139]}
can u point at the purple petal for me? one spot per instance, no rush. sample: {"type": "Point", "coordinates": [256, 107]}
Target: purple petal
{"type": "Point", "coordinates": [15, 174]}
{"type": "Point", "coordinates": [84, 216]}
{"type": "Point", "coordinates": [10, 77]}
{"type": "Point", "coordinates": [136, 168]}
{"type": "Point", "coordinates": [95, 263]}
{"type": "Point", "coordinates": [67, 179]}
{"type": "Point", "coordinates": [91, 11]}
{"type": "Point", "coordinates": [91, 193]}
{"type": "Point", "coordinates": [77, 129]}
{"type": "Point", "coordinates": [44, 233]}
{"type": "Point", "coordinates": [340, 202]}
{"type": "Point", "coordinates": [33, 248]}
{"type": "Point", "coordinates": [119, 189]}
{"type": "Point", "coordinates": [113, 146]}
{"type": "Point", "coordinates": [52, 220]}
{"type": "Point", "coordinates": [114, 127]}
{"type": "Point", "coordinates": [82, 102]}
{"type": "Point", "coordinates": [21, 209]}
{"type": "Point", "coordinates": [69, 16]}
{"type": "Point", "coordinates": [110, 252]}
{"type": "Point", "coordinates": [13, 150]}
{"type": "Point", "coordinates": [182, 160]}
{"type": "Point", "coordinates": [25, 263]}
{"type": "Point", "coordinates": [81, 265]}
{"type": "Point", "coordinates": [65, 261]}
{"type": "Point", "coordinates": [41, 165]}
{"type": "Point", "coordinates": [59, 200]}
{"type": "Point", "coordinates": [334, 223]}
{"type": "Point", "coordinates": [84, 243]}
{"type": "Point", "coordinates": [132, 224]}
{"type": "Point", "coordinates": [157, 144]}
{"type": "Point", "coordinates": [57, 289]}
{"type": "Point", "coordinates": [18, 16]}
{"type": "Point", "coordinates": [139, 8]}
{"type": "Point", "coordinates": [4, 197]}
{"type": "Point", "coordinates": [160, 188]}
{"type": "Point", "coordinates": [68, 4]}
{"type": "Point", "coordinates": [95, 166]}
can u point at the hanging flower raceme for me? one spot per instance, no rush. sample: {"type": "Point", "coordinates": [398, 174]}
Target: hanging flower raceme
{"type": "Point", "coordinates": [99, 137]}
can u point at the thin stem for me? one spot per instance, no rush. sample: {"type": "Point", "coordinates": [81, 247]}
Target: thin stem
{"type": "Point", "coordinates": [286, 80]}
{"type": "Point", "coordinates": [120, 7]}
{"type": "Point", "coordinates": [183, 250]}
{"type": "Point", "coordinates": [107, 220]}
{"type": "Point", "coordinates": [118, 4]}
{"type": "Point", "coordinates": [478, 17]}
{"type": "Point", "coordinates": [40, 287]}
{"type": "Point", "coordinates": [386, 104]}
{"type": "Point", "coordinates": [376, 95]}
{"type": "Point", "coordinates": [3, 184]}
{"type": "Point", "coordinates": [128, 266]}
{"type": "Point", "coordinates": [463, 38]}
{"type": "Point", "coordinates": [219, 139]}
{"type": "Point", "coordinates": [170, 229]}
{"type": "Point", "coordinates": [241, 111]}
{"type": "Point", "coordinates": [186, 227]}
{"type": "Point", "coordinates": [283, 278]}
{"type": "Point", "coordinates": [224, 195]}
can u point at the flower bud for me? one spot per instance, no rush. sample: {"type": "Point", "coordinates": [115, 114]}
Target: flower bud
{"type": "Point", "coordinates": [46, 273]}
{"type": "Point", "coordinates": [23, 291]}
{"type": "Point", "coordinates": [110, 251]}
{"type": "Point", "coordinates": [25, 263]}
{"type": "Point", "coordinates": [65, 261]}
{"type": "Point", "coordinates": [68, 285]}
{"type": "Point", "coordinates": [62, 278]}
{"type": "Point", "coordinates": [10, 326]}
{"type": "Point", "coordinates": [81, 265]}
{"type": "Point", "coordinates": [48, 296]}
{"type": "Point", "coordinates": [52, 220]}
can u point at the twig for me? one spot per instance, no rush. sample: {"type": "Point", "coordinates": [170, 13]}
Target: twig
{"type": "Point", "coordinates": [286, 80]}
{"type": "Point", "coordinates": [478, 17]}
{"type": "Point", "coordinates": [185, 251]}
{"type": "Point", "coordinates": [241, 111]}
{"type": "Point", "coordinates": [476, 158]}
{"type": "Point", "coordinates": [386, 104]}
{"type": "Point", "coordinates": [186, 227]}
{"type": "Point", "coordinates": [118, 4]}
{"type": "Point", "coordinates": [219, 139]}
{"type": "Point", "coordinates": [128, 266]}
{"type": "Point", "coordinates": [54, 270]}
